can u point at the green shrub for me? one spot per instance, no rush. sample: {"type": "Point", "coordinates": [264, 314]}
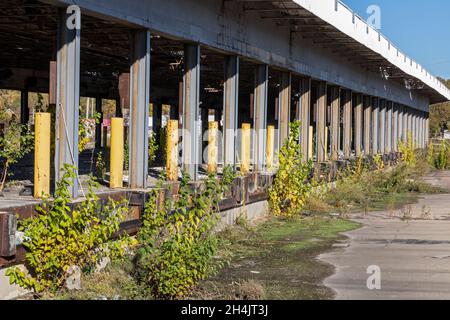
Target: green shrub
{"type": "Point", "coordinates": [407, 151]}
{"type": "Point", "coordinates": [291, 187]}
{"type": "Point", "coordinates": [441, 160]}
{"type": "Point", "coordinates": [177, 244]}
{"type": "Point", "coordinates": [15, 143]}
{"type": "Point", "coordinates": [59, 237]}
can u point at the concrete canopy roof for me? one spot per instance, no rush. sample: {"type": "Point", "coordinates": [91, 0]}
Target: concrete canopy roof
{"type": "Point", "coordinates": [335, 26]}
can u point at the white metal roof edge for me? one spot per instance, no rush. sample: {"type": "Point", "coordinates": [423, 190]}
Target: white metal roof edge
{"type": "Point", "coordinates": [347, 21]}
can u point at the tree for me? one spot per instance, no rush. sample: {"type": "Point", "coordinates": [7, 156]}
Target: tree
{"type": "Point", "coordinates": [15, 142]}
{"type": "Point", "coordinates": [440, 114]}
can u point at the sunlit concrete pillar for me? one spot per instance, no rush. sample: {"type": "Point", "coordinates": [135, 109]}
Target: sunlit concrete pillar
{"type": "Point", "coordinates": [24, 107]}
{"type": "Point", "coordinates": [389, 126]}
{"type": "Point", "coordinates": [191, 112]}
{"type": "Point", "coordinates": [396, 127]}
{"type": "Point", "coordinates": [427, 130]}
{"type": "Point", "coordinates": [139, 109]}
{"type": "Point", "coordinates": [67, 94]}
{"type": "Point", "coordinates": [367, 125]}
{"type": "Point", "coordinates": [359, 124]}
{"type": "Point", "coordinates": [382, 126]}
{"type": "Point", "coordinates": [347, 119]}
{"type": "Point", "coordinates": [260, 116]}
{"type": "Point", "coordinates": [321, 122]}
{"type": "Point", "coordinates": [335, 122]}
{"type": "Point", "coordinates": [375, 125]}
{"type": "Point", "coordinates": [230, 108]}
{"type": "Point", "coordinates": [304, 117]}
{"type": "Point", "coordinates": [284, 100]}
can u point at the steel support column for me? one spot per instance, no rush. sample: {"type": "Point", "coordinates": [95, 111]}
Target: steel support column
{"type": "Point", "coordinates": [260, 116]}
{"type": "Point", "coordinates": [284, 100]}
{"type": "Point", "coordinates": [321, 122]}
{"type": "Point", "coordinates": [382, 127]}
{"type": "Point", "coordinates": [405, 123]}
{"type": "Point", "coordinates": [347, 117]}
{"type": "Point", "coordinates": [389, 126]}
{"type": "Point", "coordinates": [359, 124]}
{"type": "Point", "coordinates": [367, 125]}
{"type": "Point", "coordinates": [305, 109]}
{"type": "Point", "coordinates": [191, 111]}
{"type": "Point", "coordinates": [67, 96]}
{"type": "Point", "coordinates": [375, 125]}
{"type": "Point", "coordinates": [139, 108]}
{"type": "Point", "coordinates": [335, 122]}
{"type": "Point", "coordinates": [230, 109]}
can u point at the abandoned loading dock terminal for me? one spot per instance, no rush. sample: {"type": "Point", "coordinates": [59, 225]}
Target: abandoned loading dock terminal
{"type": "Point", "coordinates": [250, 64]}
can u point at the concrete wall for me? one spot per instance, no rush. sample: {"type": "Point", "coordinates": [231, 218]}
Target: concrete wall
{"type": "Point", "coordinates": [223, 25]}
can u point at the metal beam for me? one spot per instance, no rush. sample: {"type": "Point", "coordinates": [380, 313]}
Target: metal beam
{"type": "Point", "coordinates": [367, 125]}
{"type": "Point", "coordinates": [191, 102]}
{"type": "Point", "coordinates": [284, 99]}
{"type": "Point", "coordinates": [304, 116]}
{"type": "Point", "coordinates": [260, 116]}
{"type": "Point", "coordinates": [321, 122]}
{"type": "Point", "coordinates": [230, 108]}
{"type": "Point", "coordinates": [382, 127]}
{"type": "Point", "coordinates": [389, 126]}
{"type": "Point", "coordinates": [139, 108]}
{"type": "Point", "coordinates": [358, 124]}
{"type": "Point", "coordinates": [335, 122]}
{"type": "Point", "coordinates": [68, 97]}
{"type": "Point", "coordinates": [375, 126]}
{"type": "Point", "coordinates": [347, 117]}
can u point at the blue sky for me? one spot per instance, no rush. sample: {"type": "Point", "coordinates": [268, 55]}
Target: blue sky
{"type": "Point", "coordinates": [421, 29]}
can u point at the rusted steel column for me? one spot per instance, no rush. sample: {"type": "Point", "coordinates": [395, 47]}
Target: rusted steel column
{"type": "Point", "coordinates": [68, 94]}
{"type": "Point", "coordinates": [367, 125]}
{"type": "Point", "coordinates": [191, 101]}
{"type": "Point", "coordinates": [230, 108]}
{"type": "Point", "coordinates": [260, 116]}
{"type": "Point", "coordinates": [285, 107]}
{"type": "Point", "coordinates": [389, 126]}
{"type": "Point", "coordinates": [382, 127]}
{"type": "Point", "coordinates": [304, 117]}
{"type": "Point", "coordinates": [321, 122]}
{"type": "Point", "coordinates": [348, 108]}
{"type": "Point", "coordinates": [358, 124]}
{"type": "Point", "coordinates": [335, 122]}
{"type": "Point", "coordinates": [375, 125]}
{"type": "Point", "coordinates": [139, 109]}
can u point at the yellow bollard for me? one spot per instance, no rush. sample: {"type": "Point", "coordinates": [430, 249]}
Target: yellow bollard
{"type": "Point", "coordinates": [172, 151]}
{"type": "Point", "coordinates": [42, 155]}
{"type": "Point", "coordinates": [310, 142]}
{"type": "Point", "coordinates": [116, 156]}
{"type": "Point", "coordinates": [213, 150]}
{"type": "Point", "coordinates": [270, 147]}
{"type": "Point", "coordinates": [245, 148]}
